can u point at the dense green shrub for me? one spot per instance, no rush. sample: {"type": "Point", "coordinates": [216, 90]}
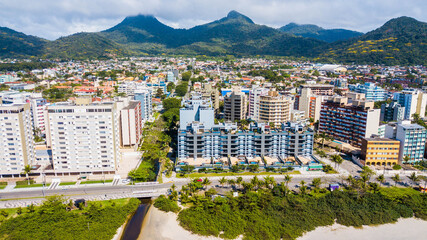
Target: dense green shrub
{"type": "Point", "coordinates": [53, 221]}
{"type": "Point", "coordinates": [165, 204]}
{"type": "Point", "coordinates": [267, 215]}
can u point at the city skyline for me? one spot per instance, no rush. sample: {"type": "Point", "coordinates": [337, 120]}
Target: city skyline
{"type": "Point", "coordinates": [51, 20]}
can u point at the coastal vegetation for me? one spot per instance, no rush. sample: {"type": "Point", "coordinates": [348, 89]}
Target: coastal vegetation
{"type": "Point", "coordinates": [58, 218]}
{"type": "Point", "coordinates": [264, 209]}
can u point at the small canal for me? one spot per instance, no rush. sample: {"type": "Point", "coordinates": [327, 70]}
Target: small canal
{"type": "Point", "coordinates": [134, 225]}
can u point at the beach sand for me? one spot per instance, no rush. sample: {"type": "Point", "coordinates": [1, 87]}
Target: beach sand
{"type": "Point", "coordinates": [159, 225]}
{"type": "Point", "coordinates": [410, 228]}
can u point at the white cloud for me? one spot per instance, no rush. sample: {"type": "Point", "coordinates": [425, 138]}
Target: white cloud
{"type": "Point", "coordinates": [54, 18]}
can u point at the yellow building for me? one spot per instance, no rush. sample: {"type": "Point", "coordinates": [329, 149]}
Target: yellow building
{"type": "Point", "coordinates": [380, 151]}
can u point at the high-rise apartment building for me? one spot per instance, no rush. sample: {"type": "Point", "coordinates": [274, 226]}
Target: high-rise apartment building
{"type": "Point", "coordinates": [392, 112]}
{"type": "Point", "coordinates": [311, 104]}
{"type": "Point", "coordinates": [319, 89]}
{"type": "Point", "coordinates": [141, 93]}
{"type": "Point", "coordinates": [413, 100]}
{"type": "Point", "coordinates": [349, 122]}
{"type": "Point", "coordinates": [235, 105]}
{"type": "Point", "coordinates": [16, 138]}
{"type": "Point", "coordinates": [254, 99]}
{"type": "Point", "coordinates": [275, 108]}
{"type": "Point", "coordinates": [223, 140]}
{"type": "Point", "coordinates": [196, 109]}
{"type": "Point", "coordinates": [130, 124]}
{"type": "Point", "coordinates": [209, 91]}
{"type": "Point", "coordinates": [412, 139]}
{"type": "Point", "coordinates": [144, 96]}
{"type": "Point", "coordinates": [84, 136]}
{"type": "Point", "coordinates": [39, 114]}
{"type": "Point", "coordinates": [380, 151]}
{"type": "Point", "coordinates": [371, 91]}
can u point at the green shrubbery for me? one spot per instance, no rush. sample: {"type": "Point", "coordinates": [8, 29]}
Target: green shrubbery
{"type": "Point", "coordinates": [55, 220]}
{"type": "Point", "coordinates": [279, 215]}
{"type": "Point", "coordinates": [165, 204]}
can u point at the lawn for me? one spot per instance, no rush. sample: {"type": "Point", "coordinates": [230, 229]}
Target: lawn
{"type": "Point", "coordinates": [67, 183]}
{"type": "Point", "coordinates": [198, 175]}
{"type": "Point", "coordinates": [3, 185]}
{"type": "Point", "coordinates": [29, 186]}
{"type": "Point", "coordinates": [96, 181]}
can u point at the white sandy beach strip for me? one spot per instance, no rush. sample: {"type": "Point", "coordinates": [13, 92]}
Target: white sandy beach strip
{"type": "Point", "coordinates": [159, 225]}
{"type": "Point", "coordinates": [411, 228]}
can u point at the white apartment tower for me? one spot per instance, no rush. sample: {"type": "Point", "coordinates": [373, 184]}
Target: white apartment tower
{"type": "Point", "coordinates": [84, 136]}
{"type": "Point", "coordinates": [254, 96]}
{"type": "Point", "coordinates": [16, 138]}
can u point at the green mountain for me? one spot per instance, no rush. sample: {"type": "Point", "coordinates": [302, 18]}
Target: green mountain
{"type": "Point", "coordinates": [17, 44]}
{"type": "Point", "coordinates": [83, 45]}
{"type": "Point", "coordinates": [401, 41]}
{"type": "Point", "coordinates": [234, 34]}
{"type": "Point", "coordinates": [313, 31]}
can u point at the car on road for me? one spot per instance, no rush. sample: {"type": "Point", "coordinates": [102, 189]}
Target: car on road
{"type": "Point", "coordinates": [199, 180]}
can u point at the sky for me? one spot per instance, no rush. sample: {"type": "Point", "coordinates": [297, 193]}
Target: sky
{"type": "Point", "coordinates": [52, 19]}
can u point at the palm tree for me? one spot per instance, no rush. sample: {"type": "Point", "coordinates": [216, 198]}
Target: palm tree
{"type": "Point", "coordinates": [27, 170]}
{"type": "Point", "coordinates": [302, 188]}
{"type": "Point", "coordinates": [366, 171]}
{"type": "Point", "coordinates": [269, 181]}
{"type": "Point", "coordinates": [350, 180]}
{"type": "Point", "coordinates": [206, 182]}
{"type": "Point", "coordinates": [337, 159]}
{"type": "Point", "coordinates": [222, 181]}
{"type": "Point", "coordinates": [239, 181]}
{"type": "Point", "coordinates": [173, 187]}
{"type": "Point", "coordinates": [406, 159]}
{"type": "Point", "coordinates": [247, 186]}
{"type": "Point", "coordinates": [287, 179]}
{"type": "Point", "coordinates": [414, 178]}
{"type": "Point", "coordinates": [374, 187]}
{"type": "Point", "coordinates": [231, 182]}
{"type": "Point", "coordinates": [381, 179]}
{"type": "Point", "coordinates": [396, 179]}
{"type": "Point", "coordinates": [323, 137]}
{"type": "Point", "coordinates": [316, 182]}
{"type": "Point", "coordinates": [255, 182]}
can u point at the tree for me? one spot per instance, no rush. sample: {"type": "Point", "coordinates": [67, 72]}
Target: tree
{"type": "Point", "coordinates": [316, 182]}
{"type": "Point", "coordinates": [303, 188]}
{"type": "Point", "coordinates": [366, 171]}
{"type": "Point", "coordinates": [27, 171]}
{"type": "Point", "coordinates": [222, 181]}
{"type": "Point", "coordinates": [269, 182]}
{"type": "Point", "coordinates": [170, 87]}
{"type": "Point", "coordinates": [396, 179]}
{"type": "Point", "coordinates": [323, 137]}
{"type": "Point", "coordinates": [374, 187]}
{"type": "Point", "coordinates": [414, 178]}
{"type": "Point", "coordinates": [181, 89]}
{"type": "Point", "coordinates": [381, 179]}
{"type": "Point", "coordinates": [186, 76]}
{"type": "Point", "coordinates": [206, 182]}
{"type": "Point", "coordinates": [171, 103]}
{"type": "Point", "coordinates": [255, 182]}
{"type": "Point", "coordinates": [239, 181]}
{"type": "Point", "coordinates": [287, 179]}
{"type": "Point", "coordinates": [406, 159]}
{"type": "Point", "coordinates": [337, 159]}
{"type": "Point", "coordinates": [253, 167]}
{"type": "Point", "coordinates": [231, 182]}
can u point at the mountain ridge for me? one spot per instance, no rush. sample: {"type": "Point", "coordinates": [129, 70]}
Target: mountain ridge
{"type": "Point", "coordinates": [314, 31]}
{"type": "Point", "coordinates": [234, 34]}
